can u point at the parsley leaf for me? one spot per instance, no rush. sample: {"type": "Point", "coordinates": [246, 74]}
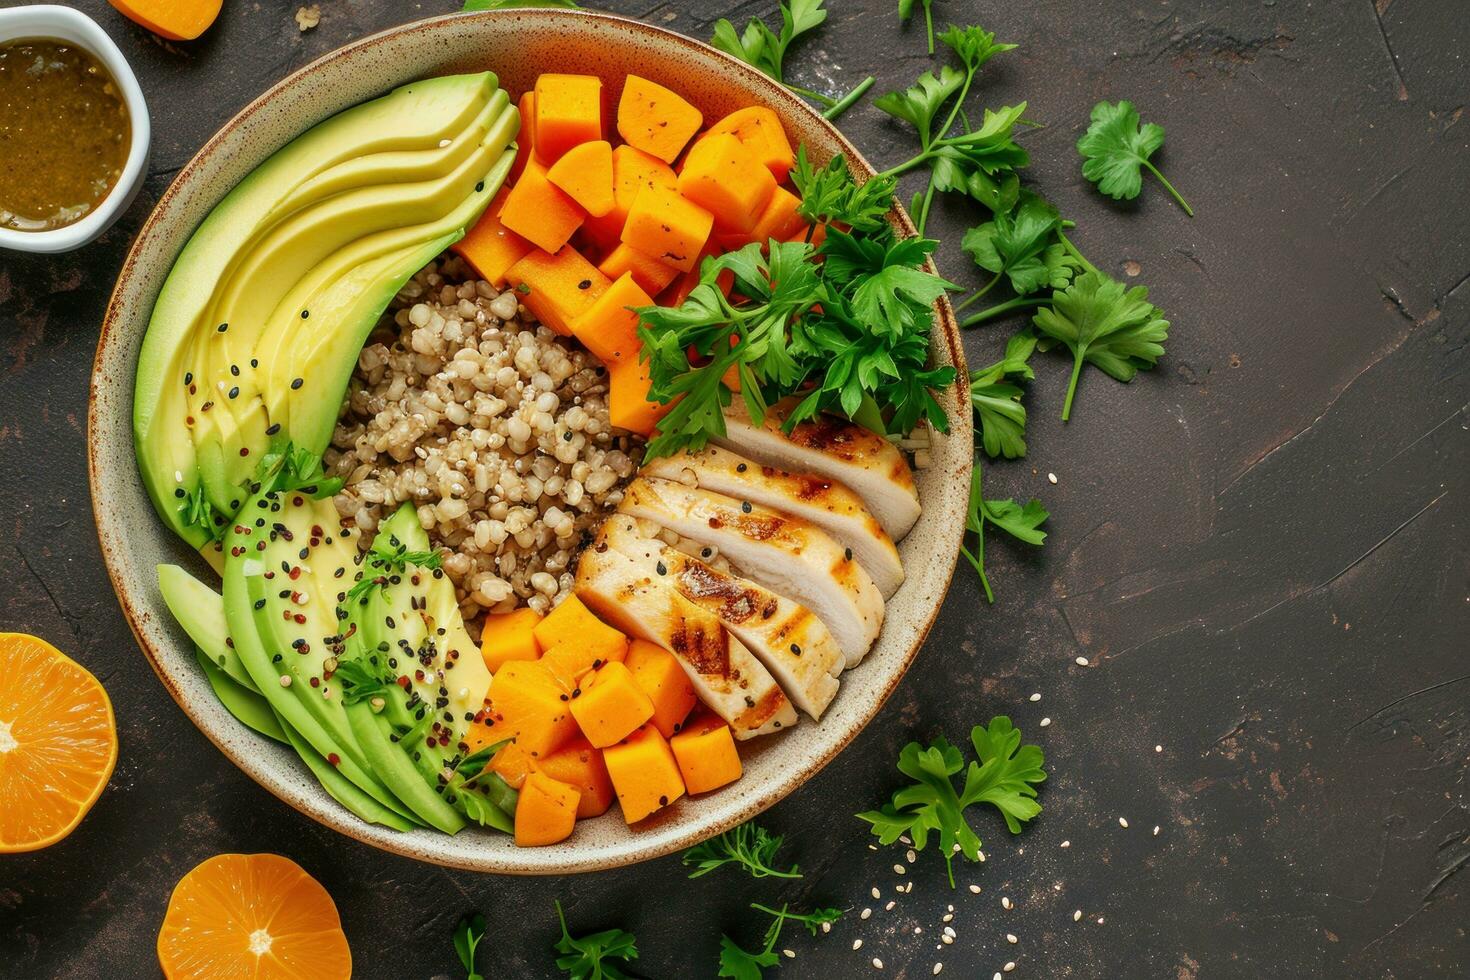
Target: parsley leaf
{"type": "Point", "coordinates": [510, 4]}
{"type": "Point", "coordinates": [1005, 777]}
{"type": "Point", "coordinates": [1022, 246]}
{"type": "Point", "coordinates": [737, 963]}
{"type": "Point", "coordinates": [359, 680]}
{"type": "Point", "coordinates": [1116, 147]}
{"type": "Point", "coordinates": [748, 846]}
{"type": "Point", "coordinates": [996, 397]}
{"type": "Point", "coordinates": [1102, 322]}
{"type": "Point", "coordinates": [600, 956]}
{"type": "Point", "coordinates": [388, 557]}
{"type": "Point", "coordinates": [831, 195]}
{"type": "Point", "coordinates": [764, 49]}
{"type": "Point", "coordinates": [1020, 522]}
{"type": "Point", "coordinates": [467, 936]}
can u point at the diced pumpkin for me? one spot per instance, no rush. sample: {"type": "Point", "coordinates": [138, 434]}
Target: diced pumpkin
{"type": "Point", "coordinates": [525, 136]}
{"type": "Point", "coordinates": [571, 660]}
{"type": "Point", "coordinates": [177, 20]}
{"type": "Point", "coordinates": [650, 274]}
{"type": "Point", "coordinates": [525, 703]}
{"type": "Point", "coordinates": [572, 622]}
{"type": "Point", "coordinates": [539, 211]}
{"type": "Point", "coordinates": [760, 129]}
{"type": "Point", "coordinates": [512, 764]}
{"type": "Point", "coordinates": [610, 705]}
{"type": "Point", "coordinates": [546, 812]}
{"type": "Point", "coordinates": [491, 247]}
{"type": "Point", "coordinates": [556, 288]}
{"type": "Point", "coordinates": [706, 753]}
{"type": "Point", "coordinates": [655, 119]}
{"type": "Point", "coordinates": [724, 178]}
{"type": "Point", "coordinates": [657, 672]}
{"type": "Point", "coordinates": [819, 235]}
{"type": "Point", "coordinates": [676, 294]}
{"type": "Point", "coordinates": [644, 773]}
{"type": "Point", "coordinates": [779, 220]}
{"type": "Point", "coordinates": [585, 172]}
{"type": "Point", "coordinates": [608, 328]}
{"type": "Point", "coordinates": [633, 170]}
{"type": "Point", "coordinates": [509, 636]}
{"type": "Point", "coordinates": [568, 112]}
{"type": "Point", "coordinates": [579, 764]}
{"type": "Point", "coordinates": [628, 406]}
{"type": "Point", "coordinates": [666, 226]}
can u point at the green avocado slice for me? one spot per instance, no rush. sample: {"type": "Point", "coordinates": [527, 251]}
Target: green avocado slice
{"type": "Point", "coordinates": [248, 707]}
{"type": "Point", "coordinates": [201, 612]}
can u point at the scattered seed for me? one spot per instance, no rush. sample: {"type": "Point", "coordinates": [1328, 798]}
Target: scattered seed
{"type": "Point", "coordinates": [1099, 920]}
{"type": "Point", "coordinates": [1011, 938]}
{"type": "Point", "coordinates": [877, 893]}
{"type": "Point", "coordinates": [906, 840]}
{"type": "Point", "coordinates": [1158, 748]}
{"type": "Point", "coordinates": [1156, 830]}
{"type": "Point", "coordinates": [826, 927]}
{"type": "Point", "coordinates": [974, 889]}
{"type": "Point", "coordinates": [857, 944]}
{"type": "Point", "coordinates": [1077, 916]}
{"type": "Point", "coordinates": [1051, 478]}
{"type": "Point", "coordinates": [948, 917]}
{"type": "Point", "coordinates": [1081, 661]}
{"type": "Point", "coordinates": [949, 908]}
{"type": "Point", "coordinates": [889, 906]}
{"type": "Point", "coordinates": [867, 914]}
{"type": "Point", "coordinates": [1036, 696]}
{"type": "Point", "coordinates": [912, 856]}
{"type": "Point", "coordinates": [899, 869]}
{"type": "Point", "coordinates": [790, 954]}
{"type": "Point", "coordinates": [285, 680]}
{"type": "Point", "coordinates": [1009, 966]}
{"type": "Point", "coordinates": [1005, 901]}
{"type": "Point", "coordinates": [947, 940]}
{"type": "Point", "coordinates": [918, 930]}
{"type": "Point", "coordinates": [1066, 843]}
{"type": "Point", "coordinates": [949, 931]}
{"type": "Point", "coordinates": [1123, 822]}
{"type": "Point", "coordinates": [1045, 722]}
{"type": "Point", "coordinates": [877, 963]}
{"type": "Point", "coordinates": [938, 967]}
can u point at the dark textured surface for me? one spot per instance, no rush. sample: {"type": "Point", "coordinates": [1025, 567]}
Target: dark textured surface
{"type": "Point", "coordinates": [1260, 548]}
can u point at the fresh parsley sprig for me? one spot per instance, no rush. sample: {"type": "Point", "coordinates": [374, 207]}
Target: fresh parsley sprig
{"type": "Point", "coordinates": [1005, 776]}
{"type": "Point", "coordinates": [1022, 246]}
{"type": "Point", "coordinates": [389, 557]}
{"type": "Point", "coordinates": [906, 10]}
{"type": "Point", "coordinates": [995, 395]}
{"type": "Point", "coordinates": [737, 963]}
{"type": "Point", "coordinates": [766, 49]}
{"type": "Point", "coordinates": [601, 956]}
{"type": "Point", "coordinates": [748, 846]}
{"type": "Point", "coordinates": [830, 195]}
{"type": "Point", "coordinates": [1116, 148]}
{"type": "Point", "coordinates": [467, 935]}
{"type": "Point", "coordinates": [1021, 521]}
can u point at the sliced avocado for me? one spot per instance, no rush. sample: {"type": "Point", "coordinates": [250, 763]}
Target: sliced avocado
{"type": "Point", "coordinates": [246, 704]}
{"type": "Point", "coordinates": [417, 117]}
{"type": "Point", "coordinates": [344, 792]}
{"type": "Point", "coordinates": [201, 612]}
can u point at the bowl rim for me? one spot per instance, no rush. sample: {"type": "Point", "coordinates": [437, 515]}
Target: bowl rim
{"type": "Point", "coordinates": [55, 22]}
{"type": "Point", "coordinates": [945, 334]}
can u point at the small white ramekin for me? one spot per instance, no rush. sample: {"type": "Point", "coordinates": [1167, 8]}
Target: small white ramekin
{"type": "Point", "coordinates": [66, 24]}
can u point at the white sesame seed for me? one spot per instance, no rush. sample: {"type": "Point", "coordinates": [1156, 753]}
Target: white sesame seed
{"type": "Point", "coordinates": [867, 914]}
{"type": "Point", "coordinates": [1011, 938]}
{"type": "Point", "coordinates": [948, 917]}
{"type": "Point", "coordinates": [1099, 920]}
{"type": "Point", "coordinates": [1051, 478]}
{"type": "Point", "coordinates": [974, 889]}
{"type": "Point", "coordinates": [872, 847]}
{"type": "Point", "coordinates": [1005, 901]}
{"type": "Point", "coordinates": [912, 856]}
{"type": "Point", "coordinates": [997, 975]}
{"type": "Point", "coordinates": [980, 856]}
{"type": "Point", "coordinates": [1045, 722]}
{"type": "Point", "coordinates": [826, 927]}
{"type": "Point", "coordinates": [949, 908]}
{"type": "Point", "coordinates": [857, 944]}
{"type": "Point", "coordinates": [285, 680]}
{"type": "Point", "coordinates": [1081, 661]}
{"type": "Point", "coordinates": [947, 940]}
{"type": "Point", "coordinates": [1158, 748]}
{"type": "Point", "coordinates": [905, 839]}
{"type": "Point", "coordinates": [889, 906]}
{"type": "Point", "coordinates": [1036, 696]}
{"type": "Point", "coordinates": [877, 963]}
{"type": "Point", "coordinates": [790, 954]}
{"type": "Point", "coordinates": [938, 968]}
{"type": "Point", "coordinates": [876, 893]}
{"type": "Point", "coordinates": [1009, 966]}
{"type": "Point", "coordinates": [918, 930]}
{"type": "Point", "coordinates": [1077, 916]}
{"type": "Point", "coordinates": [899, 869]}
{"type": "Point", "coordinates": [1123, 822]}
{"type": "Point", "coordinates": [1156, 830]}
{"type": "Point", "coordinates": [1066, 843]}
{"type": "Point", "coordinates": [949, 931]}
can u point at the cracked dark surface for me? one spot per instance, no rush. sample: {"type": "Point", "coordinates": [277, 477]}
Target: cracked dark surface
{"type": "Point", "coordinates": [1261, 547]}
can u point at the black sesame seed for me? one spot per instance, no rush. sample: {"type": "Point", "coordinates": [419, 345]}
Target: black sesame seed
{"type": "Point", "coordinates": [235, 392]}
{"type": "Point", "coordinates": [661, 568]}
{"type": "Point", "coordinates": [847, 553]}
{"type": "Point", "coordinates": [223, 327]}
{"type": "Point", "coordinates": [745, 506]}
{"type": "Point", "coordinates": [297, 383]}
{"type": "Point", "coordinates": [235, 370]}
{"type": "Point", "coordinates": [188, 377]}
{"type": "Point", "coordinates": [180, 492]}
{"type": "Point", "coordinates": [305, 314]}
{"type": "Point", "coordinates": [796, 649]}
{"type": "Point", "coordinates": [479, 187]}
{"type": "Point", "coordinates": [740, 468]}
{"type": "Point", "coordinates": [585, 284]}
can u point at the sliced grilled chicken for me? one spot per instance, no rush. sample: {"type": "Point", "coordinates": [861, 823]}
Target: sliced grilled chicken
{"type": "Point", "coordinates": [868, 464]}
{"type": "Point", "coordinates": [785, 636]}
{"type": "Point", "coordinates": [823, 501]}
{"type": "Point", "coordinates": [726, 676]}
{"type": "Point", "coordinates": [785, 554]}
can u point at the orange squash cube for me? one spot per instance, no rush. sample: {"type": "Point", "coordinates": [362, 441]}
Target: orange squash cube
{"type": "Point", "coordinates": [655, 119]}
{"type": "Point", "coordinates": [512, 764]}
{"type": "Point", "coordinates": [667, 227]}
{"type": "Point", "coordinates": [571, 660]}
{"type": "Point", "coordinates": [568, 112]}
{"type": "Point", "coordinates": [539, 211]}
{"type": "Point", "coordinates": [579, 764]}
{"type": "Point", "coordinates": [525, 703]}
{"type": "Point", "coordinates": [557, 288]}
{"type": "Point", "coordinates": [650, 274]}
{"type": "Point", "coordinates": [760, 129]}
{"type": "Point", "coordinates": [779, 220]}
{"type": "Point", "coordinates": [610, 705]}
{"type": "Point", "coordinates": [633, 170]}
{"type": "Point", "coordinates": [489, 246]}
{"type": "Point", "coordinates": [676, 294]}
{"type": "Point", "coordinates": [609, 327]}
{"type": "Point", "coordinates": [525, 136]}
{"type": "Point", "coordinates": [705, 751]}
{"type": "Point", "coordinates": [644, 773]}
{"type": "Point", "coordinates": [657, 672]}
{"type": "Point", "coordinates": [546, 812]}
{"type": "Point", "coordinates": [628, 406]}
{"type": "Point", "coordinates": [721, 176]}
{"type": "Point", "coordinates": [585, 172]}
{"type": "Point", "coordinates": [509, 636]}
{"type": "Point", "coordinates": [573, 622]}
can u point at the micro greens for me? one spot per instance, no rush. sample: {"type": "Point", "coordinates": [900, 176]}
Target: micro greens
{"type": "Point", "coordinates": [1021, 522]}
{"type": "Point", "coordinates": [765, 49]}
{"type": "Point", "coordinates": [1117, 146]}
{"type": "Point", "coordinates": [467, 936]}
{"type": "Point", "coordinates": [600, 956]}
{"type": "Point", "coordinates": [747, 846]}
{"type": "Point", "coordinates": [737, 963]}
{"type": "Point", "coordinates": [1006, 777]}
{"type": "Point", "coordinates": [388, 557]}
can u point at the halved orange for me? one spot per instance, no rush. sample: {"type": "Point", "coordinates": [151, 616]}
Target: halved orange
{"type": "Point", "coordinates": [252, 917]}
{"type": "Point", "coordinates": [58, 743]}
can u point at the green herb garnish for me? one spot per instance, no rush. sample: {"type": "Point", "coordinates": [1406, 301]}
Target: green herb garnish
{"type": "Point", "coordinates": [906, 10]}
{"type": "Point", "coordinates": [600, 956]}
{"type": "Point", "coordinates": [747, 846]}
{"type": "Point", "coordinates": [766, 50]}
{"type": "Point", "coordinates": [1006, 777]}
{"type": "Point", "coordinates": [467, 936]}
{"type": "Point", "coordinates": [995, 395]}
{"type": "Point", "coordinates": [1116, 148]}
{"type": "Point", "coordinates": [1022, 522]}
{"type": "Point", "coordinates": [737, 963]}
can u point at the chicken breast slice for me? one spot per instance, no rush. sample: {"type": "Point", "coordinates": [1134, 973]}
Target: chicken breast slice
{"type": "Point", "coordinates": [793, 644]}
{"type": "Point", "coordinates": [785, 554]}
{"type": "Point", "coordinates": [823, 501]}
{"type": "Point", "coordinates": [868, 464]}
{"type": "Point", "coordinates": [726, 676]}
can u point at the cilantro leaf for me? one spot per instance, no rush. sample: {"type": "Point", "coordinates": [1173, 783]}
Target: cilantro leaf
{"type": "Point", "coordinates": [600, 956]}
{"type": "Point", "coordinates": [1102, 322]}
{"type": "Point", "coordinates": [996, 398]}
{"type": "Point", "coordinates": [1116, 147]}
{"type": "Point", "coordinates": [511, 4]}
{"type": "Point", "coordinates": [747, 846]}
{"type": "Point", "coordinates": [1005, 777]}
{"type": "Point", "coordinates": [467, 935]}
{"type": "Point", "coordinates": [1019, 521]}
{"type": "Point", "coordinates": [764, 49]}
{"type": "Point", "coordinates": [1022, 246]}
{"type": "Point", "coordinates": [906, 10]}
{"type": "Point", "coordinates": [737, 963]}
{"type": "Point", "coordinates": [974, 45]}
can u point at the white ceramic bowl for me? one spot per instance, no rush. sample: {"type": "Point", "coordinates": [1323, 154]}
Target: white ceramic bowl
{"type": "Point", "coordinates": [518, 45]}
{"type": "Point", "coordinates": [65, 24]}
